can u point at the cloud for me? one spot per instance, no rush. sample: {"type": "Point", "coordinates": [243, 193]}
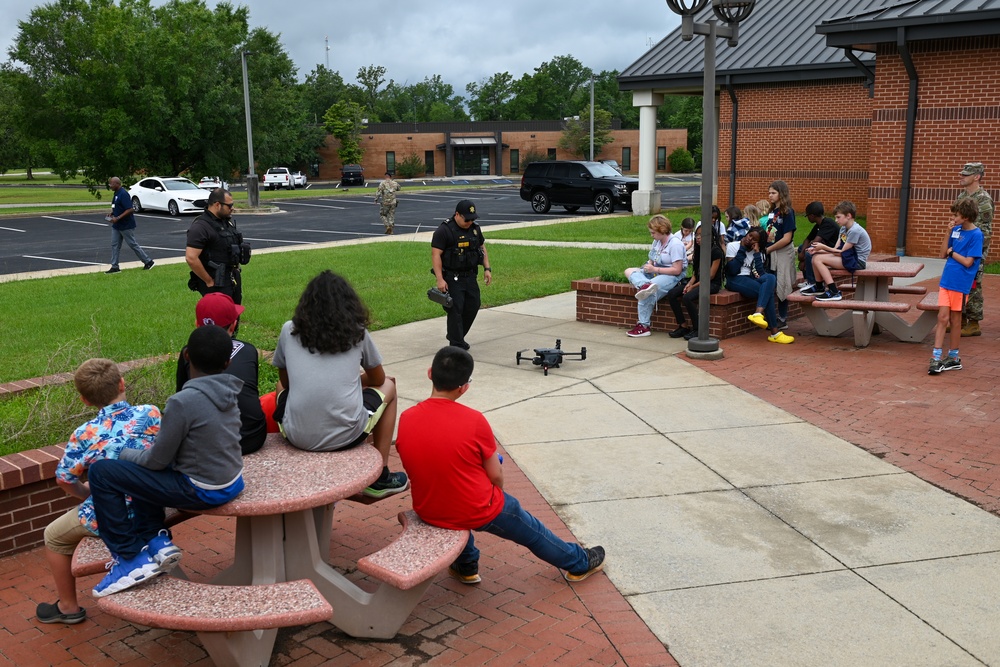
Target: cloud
{"type": "Point", "coordinates": [461, 42]}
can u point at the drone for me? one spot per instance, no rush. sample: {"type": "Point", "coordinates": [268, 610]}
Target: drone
{"type": "Point", "coordinates": [550, 357]}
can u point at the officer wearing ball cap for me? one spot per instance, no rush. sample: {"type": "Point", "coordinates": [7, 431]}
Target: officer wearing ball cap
{"type": "Point", "coordinates": [970, 179]}
{"type": "Point", "coordinates": [457, 250]}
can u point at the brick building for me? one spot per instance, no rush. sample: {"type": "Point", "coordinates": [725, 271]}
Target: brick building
{"type": "Point", "coordinates": [876, 101]}
{"type": "Point", "coordinates": [471, 148]}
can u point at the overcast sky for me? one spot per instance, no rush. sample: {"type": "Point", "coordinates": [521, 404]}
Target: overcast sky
{"type": "Point", "coordinates": [461, 41]}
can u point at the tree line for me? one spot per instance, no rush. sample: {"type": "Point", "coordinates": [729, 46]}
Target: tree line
{"type": "Point", "coordinates": [103, 87]}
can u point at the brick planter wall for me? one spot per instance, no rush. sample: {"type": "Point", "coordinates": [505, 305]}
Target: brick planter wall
{"type": "Point", "coordinates": [604, 302]}
{"type": "Point", "coordinates": [29, 497]}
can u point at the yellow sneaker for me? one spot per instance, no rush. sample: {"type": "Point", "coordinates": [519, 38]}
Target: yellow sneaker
{"type": "Point", "coordinates": [781, 337]}
{"type": "Point", "coordinates": [758, 319]}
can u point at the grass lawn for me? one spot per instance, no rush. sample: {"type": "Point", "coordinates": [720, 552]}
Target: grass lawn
{"type": "Point", "coordinates": [138, 314]}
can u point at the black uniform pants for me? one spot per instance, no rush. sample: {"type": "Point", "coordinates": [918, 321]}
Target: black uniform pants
{"type": "Point", "coordinates": [464, 291]}
{"type": "Point", "coordinates": [233, 287]}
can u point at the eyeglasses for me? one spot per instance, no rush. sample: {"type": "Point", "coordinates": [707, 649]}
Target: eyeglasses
{"type": "Point", "coordinates": [222, 203]}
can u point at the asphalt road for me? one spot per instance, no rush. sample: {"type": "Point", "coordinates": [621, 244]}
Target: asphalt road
{"type": "Point", "coordinates": [46, 242]}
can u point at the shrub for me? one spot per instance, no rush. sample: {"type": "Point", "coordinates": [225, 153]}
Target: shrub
{"type": "Point", "coordinates": [410, 167]}
{"type": "Point", "coordinates": [532, 156]}
{"type": "Point", "coordinates": [680, 161]}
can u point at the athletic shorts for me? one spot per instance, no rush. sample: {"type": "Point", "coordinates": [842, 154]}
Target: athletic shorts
{"type": "Point", "coordinates": [954, 300]}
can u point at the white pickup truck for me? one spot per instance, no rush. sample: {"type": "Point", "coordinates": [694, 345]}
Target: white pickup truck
{"type": "Point", "coordinates": [278, 177]}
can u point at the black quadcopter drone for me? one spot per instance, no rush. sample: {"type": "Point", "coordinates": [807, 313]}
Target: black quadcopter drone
{"type": "Point", "coordinates": [550, 357]}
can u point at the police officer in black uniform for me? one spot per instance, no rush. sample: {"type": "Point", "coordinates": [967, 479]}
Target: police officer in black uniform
{"type": "Point", "coordinates": [457, 250]}
{"type": "Point", "coordinates": [215, 249]}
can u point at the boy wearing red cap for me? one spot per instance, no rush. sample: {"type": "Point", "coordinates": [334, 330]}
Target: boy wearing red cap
{"type": "Point", "coordinates": [220, 309]}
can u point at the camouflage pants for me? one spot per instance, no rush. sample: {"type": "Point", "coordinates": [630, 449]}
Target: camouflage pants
{"type": "Point", "coordinates": [388, 215]}
{"type": "Point", "coordinates": [974, 304]}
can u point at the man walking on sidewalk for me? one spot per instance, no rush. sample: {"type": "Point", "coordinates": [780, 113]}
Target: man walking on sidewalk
{"type": "Point", "coordinates": [123, 227]}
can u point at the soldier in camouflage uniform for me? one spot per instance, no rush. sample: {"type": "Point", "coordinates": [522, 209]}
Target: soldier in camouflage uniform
{"type": "Point", "coordinates": [971, 176]}
{"type": "Point", "coordinates": [385, 197]}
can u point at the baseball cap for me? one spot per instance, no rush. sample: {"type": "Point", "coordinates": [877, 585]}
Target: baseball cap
{"type": "Point", "coordinates": [217, 308]}
{"type": "Point", "coordinates": [467, 209]}
{"type": "Point", "coordinates": [971, 168]}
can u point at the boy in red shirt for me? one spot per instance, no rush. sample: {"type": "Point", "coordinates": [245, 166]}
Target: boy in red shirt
{"type": "Point", "coordinates": [450, 454]}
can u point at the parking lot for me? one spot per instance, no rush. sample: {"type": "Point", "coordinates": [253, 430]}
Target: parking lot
{"type": "Point", "coordinates": [46, 242]}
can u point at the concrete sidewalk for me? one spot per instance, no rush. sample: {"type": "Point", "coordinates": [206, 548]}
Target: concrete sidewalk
{"type": "Point", "coordinates": [740, 533]}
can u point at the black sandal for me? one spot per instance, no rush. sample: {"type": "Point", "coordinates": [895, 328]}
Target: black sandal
{"type": "Point", "coordinates": [50, 613]}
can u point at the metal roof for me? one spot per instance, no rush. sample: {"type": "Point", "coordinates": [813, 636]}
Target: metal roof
{"type": "Point", "coordinates": [919, 19]}
{"type": "Point", "coordinates": [777, 43]}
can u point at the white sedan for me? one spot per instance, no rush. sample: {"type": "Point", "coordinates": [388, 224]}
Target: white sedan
{"type": "Point", "coordinates": [299, 179]}
{"type": "Point", "coordinates": [173, 195]}
{"type": "Point", "coordinates": [212, 182]}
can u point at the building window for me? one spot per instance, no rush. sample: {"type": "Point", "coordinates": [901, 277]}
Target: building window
{"type": "Point", "coordinates": [661, 158]}
{"type": "Point", "coordinates": [627, 159]}
{"type": "Point", "coordinates": [429, 163]}
{"type": "Point", "coordinates": [552, 154]}
{"type": "Point", "coordinates": [390, 162]}
{"type": "Point", "coordinates": [515, 160]}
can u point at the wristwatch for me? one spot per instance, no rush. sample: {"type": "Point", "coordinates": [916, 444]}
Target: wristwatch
{"type": "Point", "coordinates": [486, 268]}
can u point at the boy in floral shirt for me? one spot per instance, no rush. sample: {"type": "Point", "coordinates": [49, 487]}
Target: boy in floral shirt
{"type": "Point", "coordinates": [117, 426]}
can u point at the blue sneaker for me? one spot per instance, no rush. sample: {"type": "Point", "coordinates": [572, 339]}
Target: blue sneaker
{"type": "Point", "coordinates": [165, 553]}
{"type": "Point", "coordinates": [127, 573]}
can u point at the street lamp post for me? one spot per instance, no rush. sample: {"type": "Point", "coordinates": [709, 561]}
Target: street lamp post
{"type": "Point", "coordinates": [591, 118]}
{"type": "Point", "coordinates": [253, 191]}
{"type": "Point", "coordinates": [730, 12]}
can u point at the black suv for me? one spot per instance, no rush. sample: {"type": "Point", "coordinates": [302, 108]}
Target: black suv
{"type": "Point", "coordinates": [352, 174]}
{"type": "Point", "coordinates": [573, 184]}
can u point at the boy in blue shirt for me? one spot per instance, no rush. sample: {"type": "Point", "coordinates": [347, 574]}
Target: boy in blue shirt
{"type": "Point", "coordinates": [962, 248]}
{"type": "Point", "coordinates": [117, 425]}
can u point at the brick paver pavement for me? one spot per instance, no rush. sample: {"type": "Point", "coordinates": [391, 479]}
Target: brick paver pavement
{"type": "Point", "coordinates": [945, 428]}
{"type": "Point", "coordinates": [522, 613]}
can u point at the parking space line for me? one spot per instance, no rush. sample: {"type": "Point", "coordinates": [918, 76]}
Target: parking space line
{"type": "Point", "coordinates": [11, 229]}
{"type": "Point", "coordinates": [157, 217]}
{"type": "Point", "coordinates": [153, 247]}
{"type": "Point", "coordinates": [82, 222]}
{"type": "Point", "coordinates": [329, 231]}
{"type": "Point", "coordinates": [298, 203]}
{"type": "Point", "coordinates": [56, 259]}
{"type": "Point", "coordinates": [349, 201]}
{"type": "Point", "coordinates": [248, 238]}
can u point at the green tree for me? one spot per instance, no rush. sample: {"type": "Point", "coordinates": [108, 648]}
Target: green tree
{"type": "Point", "coordinates": [345, 121]}
{"type": "Point", "coordinates": [576, 137]}
{"type": "Point", "coordinates": [321, 89]}
{"type": "Point", "coordinates": [554, 91]}
{"type": "Point", "coordinates": [370, 79]}
{"type": "Point", "coordinates": [17, 147]}
{"type": "Point", "coordinates": [138, 89]}
{"type": "Point", "coordinates": [688, 114]}
{"type": "Point", "coordinates": [617, 102]}
{"type": "Point", "coordinates": [490, 98]}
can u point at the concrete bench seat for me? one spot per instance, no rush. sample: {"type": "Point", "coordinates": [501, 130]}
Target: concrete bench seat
{"type": "Point", "coordinates": [419, 553]}
{"type": "Point", "coordinates": [929, 302]}
{"type": "Point", "coordinates": [893, 289]}
{"type": "Point", "coordinates": [852, 304]}
{"type": "Point", "coordinates": [237, 625]}
{"type": "Point", "coordinates": [91, 555]}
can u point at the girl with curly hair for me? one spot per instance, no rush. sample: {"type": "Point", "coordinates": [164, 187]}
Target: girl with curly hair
{"type": "Point", "coordinates": [326, 404]}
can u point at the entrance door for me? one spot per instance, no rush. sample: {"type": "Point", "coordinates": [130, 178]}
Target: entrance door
{"type": "Point", "coordinates": [472, 160]}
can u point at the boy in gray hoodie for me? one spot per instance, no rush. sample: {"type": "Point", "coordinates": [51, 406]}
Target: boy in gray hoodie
{"type": "Point", "coordinates": [195, 463]}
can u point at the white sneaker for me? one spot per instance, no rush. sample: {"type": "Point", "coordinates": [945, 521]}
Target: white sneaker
{"type": "Point", "coordinates": [806, 286]}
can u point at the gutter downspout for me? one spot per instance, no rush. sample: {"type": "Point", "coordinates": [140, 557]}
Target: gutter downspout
{"type": "Point", "coordinates": [732, 143]}
{"type": "Point", "coordinates": [911, 121]}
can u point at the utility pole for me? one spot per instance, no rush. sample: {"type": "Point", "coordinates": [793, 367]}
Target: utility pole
{"type": "Point", "coordinates": [327, 40]}
{"type": "Point", "coordinates": [253, 190]}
